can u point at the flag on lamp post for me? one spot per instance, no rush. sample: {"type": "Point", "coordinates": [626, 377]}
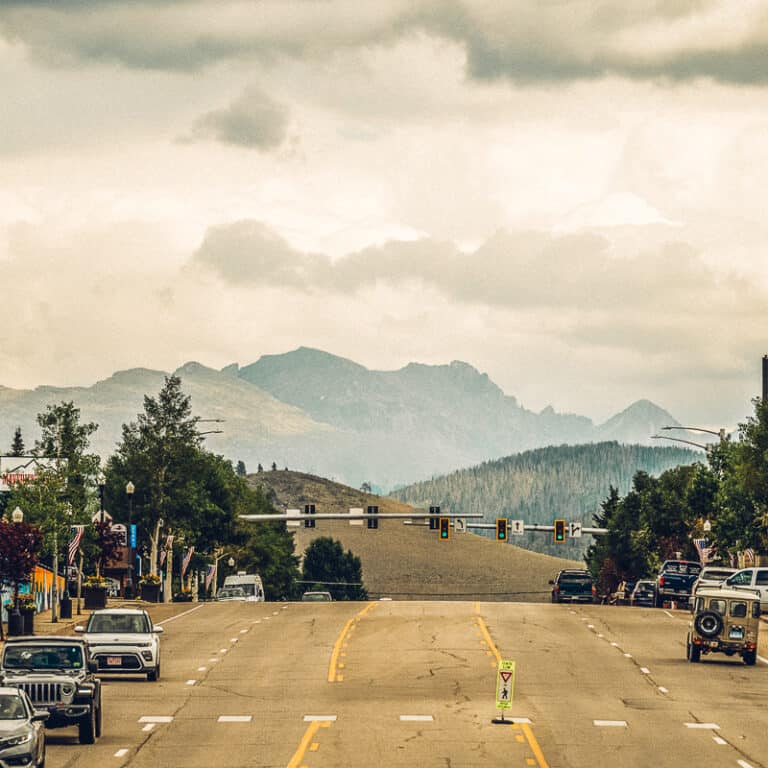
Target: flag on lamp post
{"type": "Point", "coordinates": [185, 562]}
{"type": "Point", "coordinates": [209, 576]}
{"type": "Point", "coordinates": [77, 535]}
{"type": "Point", "coordinates": [704, 550]}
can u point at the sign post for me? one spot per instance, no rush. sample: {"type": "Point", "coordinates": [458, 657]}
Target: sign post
{"type": "Point", "coordinates": [505, 689]}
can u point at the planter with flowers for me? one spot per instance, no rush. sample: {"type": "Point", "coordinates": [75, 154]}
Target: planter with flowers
{"type": "Point", "coordinates": [27, 608]}
{"type": "Point", "coordinates": [95, 593]}
{"type": "Point", "coordinates": [150, 588]}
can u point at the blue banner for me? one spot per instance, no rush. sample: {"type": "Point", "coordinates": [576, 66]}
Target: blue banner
{"type": "Point", "coordinates": [133, 536]}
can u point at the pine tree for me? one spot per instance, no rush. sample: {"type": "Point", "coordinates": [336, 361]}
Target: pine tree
{"type": "Point", "coordinates": [17, 446]}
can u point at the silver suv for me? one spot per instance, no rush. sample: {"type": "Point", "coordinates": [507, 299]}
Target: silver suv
{"type": "Point", "coordinates": [123, 640]}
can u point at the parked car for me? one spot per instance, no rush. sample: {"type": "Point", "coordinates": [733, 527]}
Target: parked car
{"type": "Point", "coordinates": [644, 593]}
{"type": "Point", "coordinates": [123, 640]}
{"type": "Point", "coordinates": [675, 581]}
{"type": "Point", "coordinates": [573, 586]}
{"type": "Point", "coordinates": [316, 597]}
{"type": "Point", "coordinates": [752, 580]}
{"type": "Point", "coordinates": [711, 576]}
{"type": "Point", "coordinates": [57, 676]}
{"type": "Point", "coordinates": [724, 621]}
{"type": "Point", "coordinates": [22, 735]}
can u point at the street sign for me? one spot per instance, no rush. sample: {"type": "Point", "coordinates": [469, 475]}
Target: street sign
{"type": "Point", "coordinates": [356, 511]}
{"type": "Point", "coordinates": [459, 525]}
{"type": "Point", "coordinates": [517, 527]}
{"type": "Point", "coordinates": [505, 684]}
{"type": "Point", "coordinates": [574, 530]}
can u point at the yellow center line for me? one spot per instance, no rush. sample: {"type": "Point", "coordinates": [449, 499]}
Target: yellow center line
{"type": "Point", "coordinates": [309, 734]}
{"type": "Point", "coordinates": [488, 639]}
{"type": "Point", "coordinates": [343, 635]}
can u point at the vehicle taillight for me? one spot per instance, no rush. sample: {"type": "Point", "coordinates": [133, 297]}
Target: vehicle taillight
{"type": "Point", "coordinates": [556, 589]}
{"type": "Point", "coordinates": [594, 591]}
{"type": "Point", "coordinates": [661, 581]}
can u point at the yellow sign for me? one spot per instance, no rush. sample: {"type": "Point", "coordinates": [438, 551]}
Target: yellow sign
{"type": "Point", "coordinates": [505, 684]}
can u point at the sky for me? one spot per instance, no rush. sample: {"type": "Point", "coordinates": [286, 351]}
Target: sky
{"type": "Point", "coordinates": [568, 195]}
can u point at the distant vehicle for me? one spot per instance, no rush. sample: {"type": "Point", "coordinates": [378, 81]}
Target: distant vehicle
{"type": "Point", "coordinates": [644, 593]}
{"type": "Point", "coordinates": [710, 576]}
{"type": "Point", "coordinates": [754, 580]}
{"type": "Point", "coordinates": [250, 583]}
{"type": "Point", "coordinates": [57, 676]}
{"type": "Point", "coordinates": [227, 594]}
{"type": "Point", "coordinates": [123, 640]}
{"type": "Point", "coordinates": [675, 580]}
{"type": "Point", "coordinates": [724, 621]}
{"type": "Point", "coordinates": [316, 597]}
{"type": "Point", "coordinates": [22, 735]}
{"type": "Point", "coordinates": [573, 586]}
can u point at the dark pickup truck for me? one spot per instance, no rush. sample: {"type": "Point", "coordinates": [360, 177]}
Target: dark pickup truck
{"type": "Point", "coordinates": [573, 586]}
{"type": "Point", "coordinates": [675, 581]}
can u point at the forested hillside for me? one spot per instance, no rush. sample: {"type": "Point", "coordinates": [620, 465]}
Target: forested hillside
{"type": "Point", "coordinates": [538, 486]}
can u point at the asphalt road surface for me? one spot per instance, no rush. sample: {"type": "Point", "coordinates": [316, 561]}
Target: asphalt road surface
{"type": "Point", "coordinates": [330, 685]}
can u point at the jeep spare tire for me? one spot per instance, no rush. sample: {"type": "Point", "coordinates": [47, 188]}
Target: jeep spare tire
{"type": "Point", "coordinates": [708, 624]}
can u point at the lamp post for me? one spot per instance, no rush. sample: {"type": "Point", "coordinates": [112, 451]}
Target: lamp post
{"type": "Point", "coordinates": [101, 482]}
{"type": "Point", "coordinates": [15, 626]}
{"type": "Point", "coordinates": [129, 584]}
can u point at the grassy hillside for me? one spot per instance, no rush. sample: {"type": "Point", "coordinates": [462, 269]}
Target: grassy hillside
{"type": "Point", "coordinates": [409, 561]}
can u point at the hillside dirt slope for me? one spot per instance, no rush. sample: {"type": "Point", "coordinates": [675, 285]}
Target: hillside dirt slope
{"type": "Point", "coordinates": [409, 562]}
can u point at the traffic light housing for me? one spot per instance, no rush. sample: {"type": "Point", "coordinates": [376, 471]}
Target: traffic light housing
{"type": "Point", "coordinates": [373, 522]}
{"type": "Point", "coordinates": [501, 529]}
{"type": "Point", "coordinates": [559, 531]}
{"type": "Point", "coordinates": [445, 528]}
{"type": "Point", "coordinates": [433, 521]}
{"type": "Point", "coordinates": [309, 509]}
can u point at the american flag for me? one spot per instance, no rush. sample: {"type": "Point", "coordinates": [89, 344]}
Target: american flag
{"type": "Point", "coordinates": [749, 556]}
{"type": "Point", "coordinates": [168, 545]}
{"type": "Point", "coordinates": [185, 562]}
{"type": "Point", "coordinates": [704, 550]}
{"type": "Point", "coordinates": [77, 535]}
{"type": "Point", "coordinates": [209, 575]}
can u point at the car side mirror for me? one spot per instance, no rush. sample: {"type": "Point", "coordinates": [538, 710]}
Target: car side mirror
{"type": "Point", "coordinates": [80, 628]}
{"type": "Point", "coordinates": [40, 715]}
{"type": "Point", "coordinates": [157, 630]}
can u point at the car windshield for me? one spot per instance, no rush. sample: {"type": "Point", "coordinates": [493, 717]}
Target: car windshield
{"type": "Point", "coordinates": [43, 657]}
{"type": "Point", "coordinates": [576, 578]}
{"type": "Point", "coordinates": [230, 592]}
{"type": "Point", "coordinates": [715, 574]}
{"type": "Point", "coordinates": [110, 622]}
{"type": "Point", "coordinates": [690, 569]}
{"type": "Point", "coordinates": [315, 597]}
{"type": "Point", "coordinates": [11, 707]}
{"type": "Point", "coordinates": [245, 589]}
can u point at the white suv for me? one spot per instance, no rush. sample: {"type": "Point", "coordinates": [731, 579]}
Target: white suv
{"type": "Point", "coordinates": [123, 640]}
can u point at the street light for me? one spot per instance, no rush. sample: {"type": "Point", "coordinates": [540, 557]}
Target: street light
{"type": "Point", "coordinates": [17, 516]}
{"type": "Point", "coordinates": [101, 482]}
{"type": "Point", "coordinates": [679, 440]}
{"type": "Point", "coordinates": [129, 590]}
{"type": "Point", "coordinates": [15, 621]}
{"type": "Point", "coordinates": [231, 562]}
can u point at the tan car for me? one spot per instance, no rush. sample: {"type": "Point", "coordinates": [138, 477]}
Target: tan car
{"type": "Point", "coordinates": [724, 621]}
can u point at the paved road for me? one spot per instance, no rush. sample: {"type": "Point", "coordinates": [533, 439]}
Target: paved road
{"type": "Point", "coordinates": [413, 684]}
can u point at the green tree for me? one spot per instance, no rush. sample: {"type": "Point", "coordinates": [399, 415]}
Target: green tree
{"type": "Point", "coordinates": [327, 565]}
{"type": "Point", "coordinates": [19, 554]}
{"type": "Point", "coordinates": [240, 469]}
{"type": "Point", "coordinates": [17, 446]}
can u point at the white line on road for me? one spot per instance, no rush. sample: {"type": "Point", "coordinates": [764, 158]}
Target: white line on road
{"type": "Point", "coordinates": [719, 740]}
{"type": "Point", "coordinates": [156, 719]}
{"type": "Point", "coordinates": [233, 639]}
{"type": "Point", "coordinates": [243, 631]}
{"type": "Point", "coordinates": [148, 727]}
{"type": "Point", "coordinates": [760, 658]}
{"type": "Point", "coordinates": [615, 645]}
{"type": "Point", "coordinates": [235, 718]}
{"type": "Point", "coordinates": [610, 723]}
{"type": "Point", "coordinates": [520, 720]}
{"type": "Point", "coordinates": [213, 661]}
{"type": "Point", "coordinates": [590, 626]}
{"type": "Point", "coordinates": [222, 650]}
{"type": "Point", "coordinates": [645, 670]}
{"type": "Point", "coordinates": [417, 718]}
{"type": "Point", "coordinates": [191, 682]}
{"type": "Point", "coordinates": [321, 718]}
{"type": "Point", "coordinates": [121, 753]}
{"type": "Point", "coordinates": [599, 634]}
{"type": "Point", "coordinates": [671, 616]}
{"type": "Point", "coordinates": [628, 655]}
{"type": "Point", "coordinates": [663, 689]}
{"type": "Point", "coordinates": [202, 669]}
{"type": "Point", "coordinates": [704, 726]}
{"type": "Point", "coordinates": [743, 764]}
{"type": "Point", "coordinates": [179, 615]}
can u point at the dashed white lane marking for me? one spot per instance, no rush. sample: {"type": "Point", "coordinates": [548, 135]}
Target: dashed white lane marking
{"type": "Point", "coordinates": [590, 626]}
{"type": "Point", "coordinates": [156, 719]}
{"type": "Point", "coordinates": [223, 650]}
{"type": "Point", "coordinates": [121, 753]}
{"type": "Point", "coordinates": [764, 661]}
{"type": "Point", "coordinates": [743, 764]}
{"type": "Point", "coordinates": [243, 631]}
{"type": "Point", "coordinates": [191, 682]}
{"type": "Point", "coordinates": [258, 621]}
{"type": "Point", "coordinates": [520, 720]}
{"type": "Point", "coordinates": [202, 669]}
{"type": "Point", "coordinates": [235, 718]}
{"type": "Point", "coordinates": [628, 655]}
{"type": "Point", "coordinates": [662, 689]}
{"type": "Point", "coordinates": [148, 727]}
{"type": "Point", "coordinates": [233, 639]}
{"type": "Point", "coordinates": [669, 614]}
{"type": "Point", "coordinates": [610, 723]}
{"type": "Point", "coordinates": [615, 645]}
{"type": "Point", "coordinates": [719, 740]}
{"type": "Point", "coordinates": [704, 726]}
{"type": "Point", "coordinates": [645, 670]}
{"type": "Point", "coordinates": [321, 718]}
{"type": "Point", "coordinates": [274, 613]}
{"type": "Point", "coordinates": [417, 718]}
{"type": "Point", "coordinates": [179, 615]}
{"type": "Point", "coordinates": [212, 661]}
{"type": "Point", "coordinates": [599, 634]}
{"type": "Point", "coordinates": [267, 618]}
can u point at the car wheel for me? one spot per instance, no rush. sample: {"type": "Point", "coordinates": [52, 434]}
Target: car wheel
{"type": "Point", "coordinates": [87, 728]}
{"type": "Point", "coordinates": [692, 652]}
{"type": "Point", "coordinates": [750, 657]}
{"type": "Point", "coordinates": [708, 624]}
{"type": "Point", "coordinates": [41, 764]}
{"type": "Point", "coordinates": [153, 674]}
{"type": "Point", "coordinates": [98, 721]}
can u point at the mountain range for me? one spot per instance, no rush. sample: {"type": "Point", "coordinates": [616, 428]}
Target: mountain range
{"type": "Point", "coordinates": [311, 410]}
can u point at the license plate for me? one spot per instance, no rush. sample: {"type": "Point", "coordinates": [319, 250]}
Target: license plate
{"type": "Point", "coordinates": [114, 661]}
{"type": "Point", "coordinates": [736, 634]}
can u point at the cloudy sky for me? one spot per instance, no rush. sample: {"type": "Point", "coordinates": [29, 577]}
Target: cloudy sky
{"type": "Point", "coordinates": [569, 195]}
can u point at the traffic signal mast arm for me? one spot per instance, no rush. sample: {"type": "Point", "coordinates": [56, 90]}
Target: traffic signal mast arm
{"type": "Point", "coordinates": [361, 516]}
{"type": "Point", "coordinates": [532, 527]}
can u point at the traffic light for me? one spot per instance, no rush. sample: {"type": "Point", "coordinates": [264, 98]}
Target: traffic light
{"type": "Point", "coordinates": [373, 522]}
{"type": "Point", "coordinates": [445, 528]}
{"type": "Point", "coordinates": [433, 521]}
{"type": "Point", "coordinates": [309, 509]}
{"type": "Point", "coordinates": [559, 531]}
{"type": "Point", "coordinates": [501, 529]}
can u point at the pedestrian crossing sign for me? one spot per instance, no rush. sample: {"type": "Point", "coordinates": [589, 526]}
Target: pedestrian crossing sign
{"type": "Point", "coordinates": [505, 684]}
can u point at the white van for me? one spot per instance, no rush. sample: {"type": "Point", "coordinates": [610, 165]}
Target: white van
{"type": "Point", "coordinates": [250, 583]}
